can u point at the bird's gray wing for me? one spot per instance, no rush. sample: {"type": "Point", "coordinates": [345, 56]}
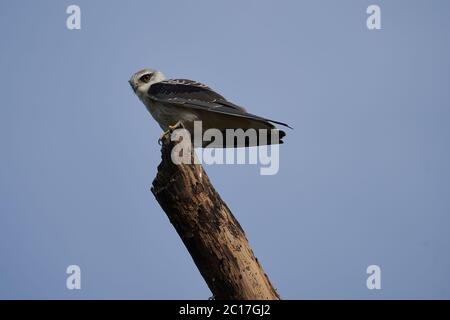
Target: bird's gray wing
{"type": "Point", "coordinates": [195, 95]}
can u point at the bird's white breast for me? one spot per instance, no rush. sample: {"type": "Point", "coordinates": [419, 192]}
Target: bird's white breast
{"type": "Point", "coordinates": [168, 115]}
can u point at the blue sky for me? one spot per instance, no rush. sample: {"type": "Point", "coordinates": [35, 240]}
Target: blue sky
{"type": "Point", "coordinates": [364, 176]}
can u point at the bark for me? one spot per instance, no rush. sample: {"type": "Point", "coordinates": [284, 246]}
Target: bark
{"type": "Point", "coordinates": [210, 232]}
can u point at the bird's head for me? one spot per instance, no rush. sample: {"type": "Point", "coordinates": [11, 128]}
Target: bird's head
{"type": "Point", "coordinates": [141, 81]}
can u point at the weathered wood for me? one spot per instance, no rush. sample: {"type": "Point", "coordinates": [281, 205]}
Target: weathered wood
{"type": "Point", "coordinates": [213, 237]}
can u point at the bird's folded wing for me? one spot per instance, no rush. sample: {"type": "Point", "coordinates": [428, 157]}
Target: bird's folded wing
{"type": "Point", "coordinates": [195, 95]}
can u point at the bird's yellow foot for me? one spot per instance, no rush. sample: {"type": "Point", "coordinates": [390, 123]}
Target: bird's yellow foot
{"type": "Point", "coordinates": [177, 125]}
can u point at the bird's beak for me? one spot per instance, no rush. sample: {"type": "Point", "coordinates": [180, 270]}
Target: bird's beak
{"type": "Point", "coordinates": [132, 85]}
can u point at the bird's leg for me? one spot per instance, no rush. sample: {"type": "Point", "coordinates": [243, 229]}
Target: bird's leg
{"type": "Point", "coordinates": [177, 125]}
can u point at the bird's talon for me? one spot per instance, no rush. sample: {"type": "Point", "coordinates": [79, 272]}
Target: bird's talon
{"type": "Point", "coordinates": [176, 126]}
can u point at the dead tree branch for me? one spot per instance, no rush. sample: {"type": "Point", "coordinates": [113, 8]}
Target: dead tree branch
{"type": "Point", "coordinates": [208, 229]}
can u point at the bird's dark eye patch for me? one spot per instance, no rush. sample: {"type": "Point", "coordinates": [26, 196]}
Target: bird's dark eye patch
{"type": "Point", "coordinates": [146, 77]}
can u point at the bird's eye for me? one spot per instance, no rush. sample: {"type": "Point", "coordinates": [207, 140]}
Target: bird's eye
{"type": "Point", "coordinates": [146, 77]}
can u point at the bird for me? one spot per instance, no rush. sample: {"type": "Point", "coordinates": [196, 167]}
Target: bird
{"type": "Point", "coordinates": [177, 103]}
